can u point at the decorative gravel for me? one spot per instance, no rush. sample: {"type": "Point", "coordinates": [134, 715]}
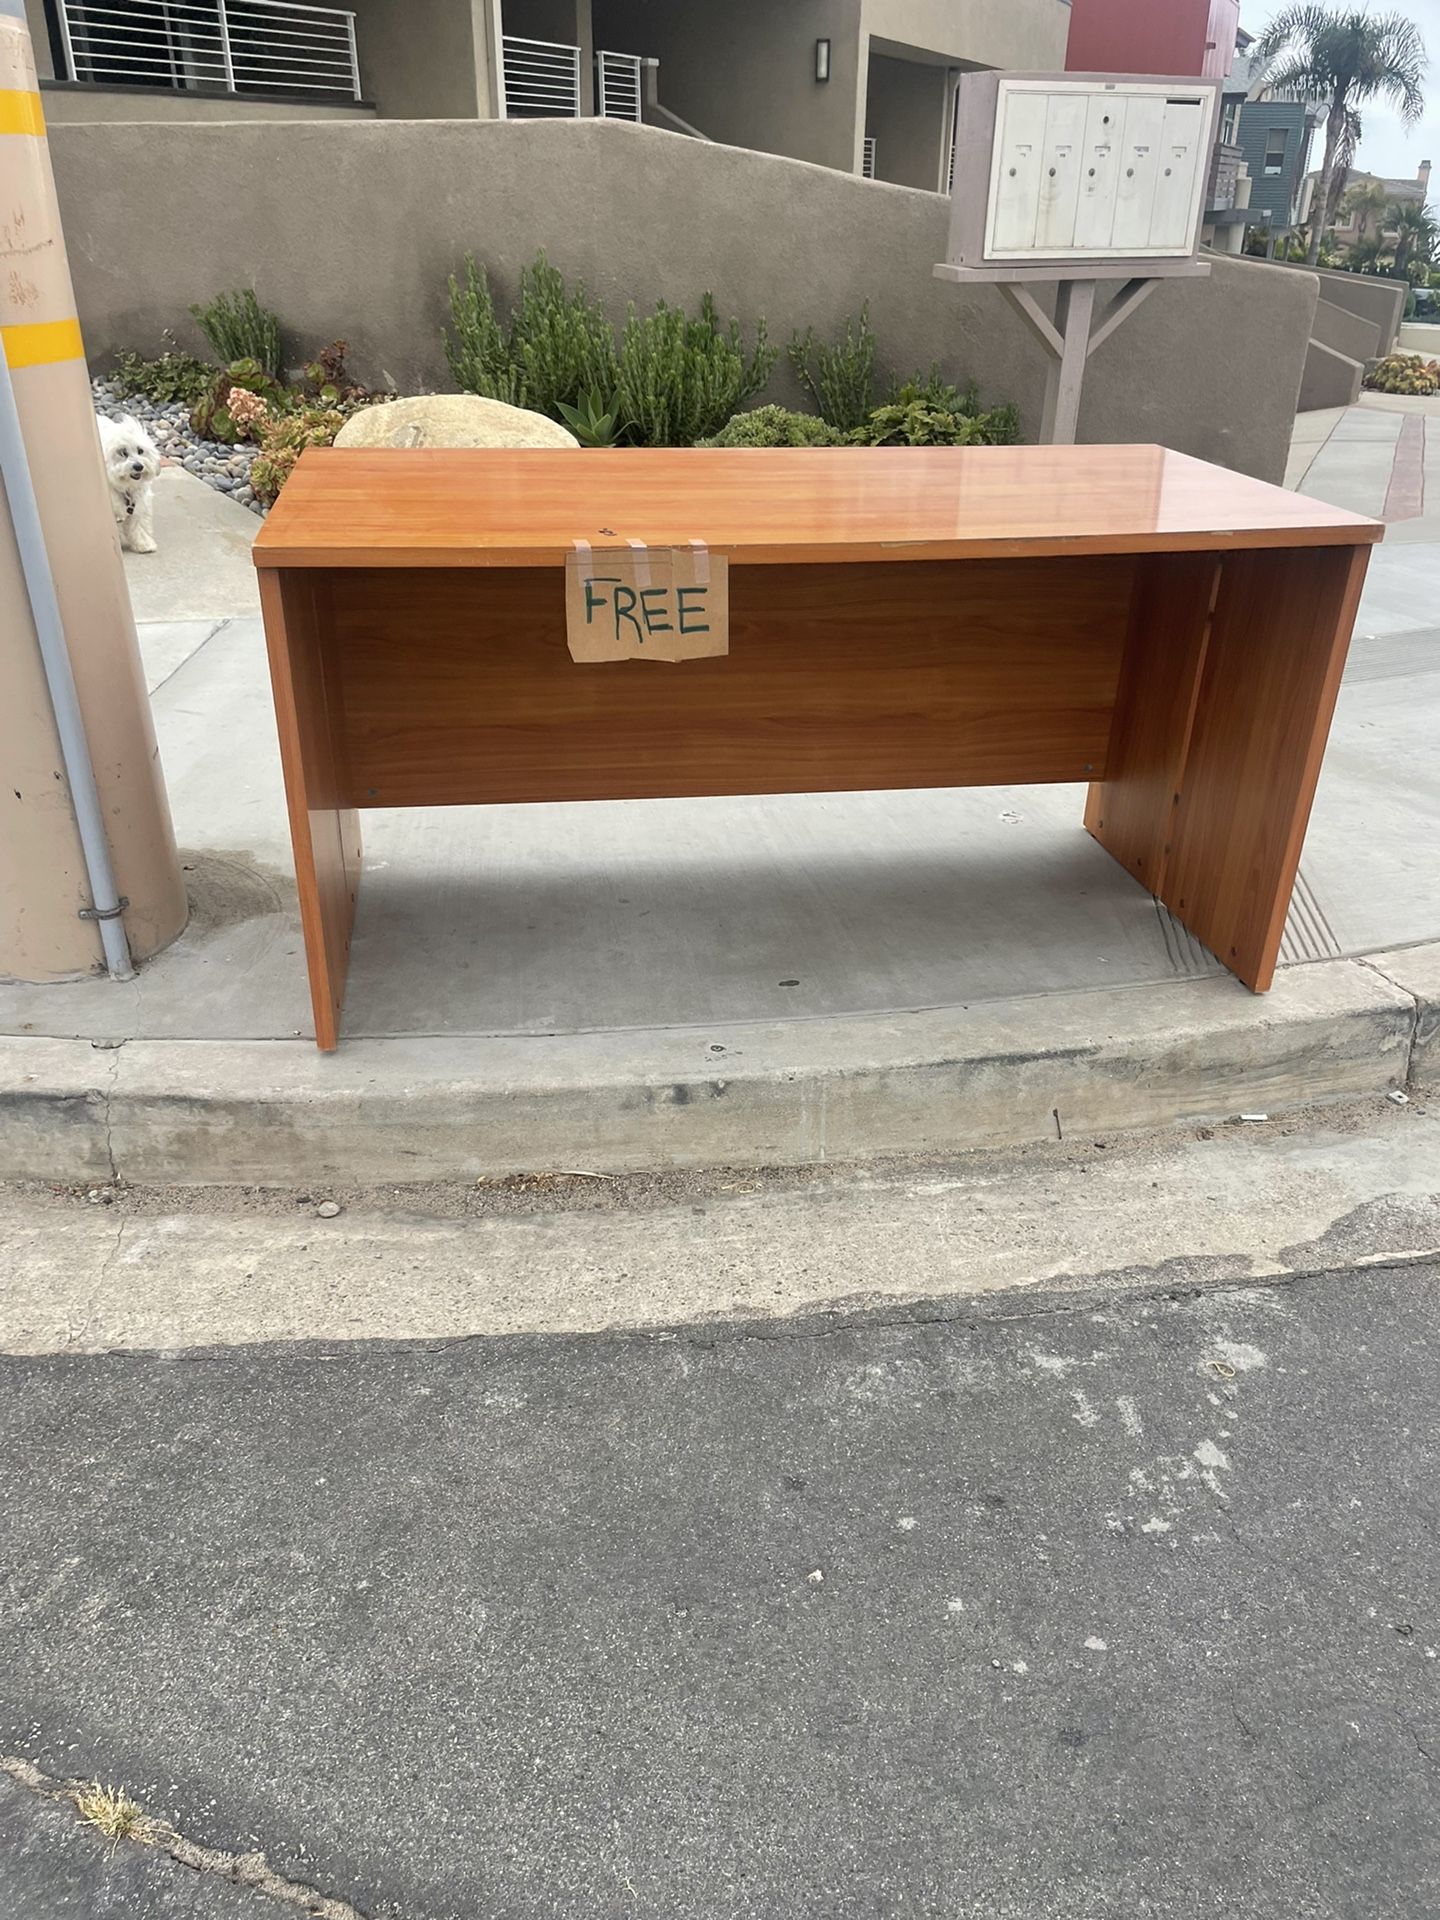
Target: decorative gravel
{"type": "Point", "coordinates": [227, 469]}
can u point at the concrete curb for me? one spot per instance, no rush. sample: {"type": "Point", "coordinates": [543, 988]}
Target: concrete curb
{"type": "Point", "coordinates": [1416, 971]}
{"type": "Point", "coordinates": [999, 1074]}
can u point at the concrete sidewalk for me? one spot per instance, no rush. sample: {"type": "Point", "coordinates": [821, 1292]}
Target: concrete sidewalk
{"type": "Point", "coordinates": [616, 950]}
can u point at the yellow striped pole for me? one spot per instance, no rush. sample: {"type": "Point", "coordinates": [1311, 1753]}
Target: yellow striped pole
{"type": "Point", "coordinates": [45, 885]}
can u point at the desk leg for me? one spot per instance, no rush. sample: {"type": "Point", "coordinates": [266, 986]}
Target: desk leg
{"type": "Point", "coordinates": [1228, 686]}
{"type": "Point", "coordinates": [324, 833]}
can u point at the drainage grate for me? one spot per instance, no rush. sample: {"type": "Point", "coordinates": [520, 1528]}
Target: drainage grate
{"type": "Point", "coordinates": [1186, 955]}
{"type": "Point", "coordinates": [1308, 933]}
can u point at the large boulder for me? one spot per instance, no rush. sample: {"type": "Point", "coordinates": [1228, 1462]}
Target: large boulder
{"type": "Point", "coordinates": [451, 420]}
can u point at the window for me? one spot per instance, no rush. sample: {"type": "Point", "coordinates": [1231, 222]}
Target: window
{"type": "Point", "coordinates": [1230, 123]}
{"type": "Point", "coordinates": [1276, 141]}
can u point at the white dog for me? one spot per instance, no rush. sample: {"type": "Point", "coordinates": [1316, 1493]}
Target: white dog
{"type": "Point", "coordinates": [132, 461]}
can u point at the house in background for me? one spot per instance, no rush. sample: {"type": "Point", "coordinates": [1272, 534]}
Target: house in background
{"type": "Point", "coordinates": [1363, 216]}
{"type": "Point", "coordinates": [1275, 133]}
{"type": "Point", "coordinates": [862, 85]}
{"type": "Point", "coordinates": [1228, 189]}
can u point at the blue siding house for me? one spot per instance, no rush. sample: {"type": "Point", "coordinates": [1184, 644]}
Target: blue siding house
{"type": "Point", "coordinates": [1274, 136]}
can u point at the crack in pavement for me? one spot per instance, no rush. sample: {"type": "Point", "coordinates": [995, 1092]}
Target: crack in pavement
{"type": "Point", "coordinates": [200, 646]}
{"type": "Point", "coordinates": [249, 1870]}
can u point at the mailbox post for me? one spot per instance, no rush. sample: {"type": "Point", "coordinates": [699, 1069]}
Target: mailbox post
{"type": "Point", "coordinates": [1077, 180]}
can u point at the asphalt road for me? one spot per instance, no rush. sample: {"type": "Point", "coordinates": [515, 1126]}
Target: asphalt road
{"type": "Point", "coordinates": [1032, 1610]}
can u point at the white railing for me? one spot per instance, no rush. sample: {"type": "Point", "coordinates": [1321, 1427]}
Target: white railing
{"type": "Point", "coordinates": [867, 165]}
{"type": "Point", "coordinates": [542, 79]}
{"type": "Point", "coordinates": [617, 86]}
{"type": "Point", "coordinates": [230, 46]}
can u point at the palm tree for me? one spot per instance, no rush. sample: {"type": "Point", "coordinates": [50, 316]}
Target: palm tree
{"type": "Point", "coordinates": [1416, 233]}
{"type": "Point", "coordinates": [1370, 255]}
{"type": "Point", "coordinates": [1342, 59]}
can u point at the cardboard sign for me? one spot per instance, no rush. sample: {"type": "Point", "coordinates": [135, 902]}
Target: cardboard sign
{"type": "Point", "coordinates": [647, 603]}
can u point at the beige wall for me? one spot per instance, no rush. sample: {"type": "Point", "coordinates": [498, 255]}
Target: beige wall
{"type": "Point", "coordinates": [905, 111]}
{"type": "Point", "coordinates": [1027, 35]}
{"type": "Point", "coordinates": [744, 72]}
{"type": "Point", "coordinates": [424, 62]}
{"type": "Point", "coordinates": [1211, 367]}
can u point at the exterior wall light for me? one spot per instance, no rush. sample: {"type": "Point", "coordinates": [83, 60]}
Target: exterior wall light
{"type": "Point", "coordinates": [822, 59]}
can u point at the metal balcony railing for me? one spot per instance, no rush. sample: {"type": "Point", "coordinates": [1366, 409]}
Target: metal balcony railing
{"type": "Point", "coordinates": [618, 86]}
{"type": "Point", "coordinates": [542, 79]}
{"type": "Point", "coordinates": [217, 46]}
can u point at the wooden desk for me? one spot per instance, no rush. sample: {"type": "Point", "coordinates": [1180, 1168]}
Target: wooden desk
{"type": "Point", "coordinates": [1167, 631]}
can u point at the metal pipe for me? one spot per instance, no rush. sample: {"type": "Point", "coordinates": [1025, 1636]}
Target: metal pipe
{"type": "Point", "coordinates": [106, 905]}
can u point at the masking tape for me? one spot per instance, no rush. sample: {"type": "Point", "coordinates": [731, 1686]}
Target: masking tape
{"type": "Point", "coordinates": [642, 563]}
{"type": "Point", "coordinates": [40, 343]}
{"type": "Point", "coordinates": [587, 559]}
{"type": "Point", "coordinates": [702, 562]}
{"type": "Point", "coordinates": [20, 111]}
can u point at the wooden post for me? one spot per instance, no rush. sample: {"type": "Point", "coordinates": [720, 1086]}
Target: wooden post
{"type": "Point", "coordinates": [1065, 376]}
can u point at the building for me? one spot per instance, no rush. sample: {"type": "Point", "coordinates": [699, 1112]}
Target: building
{"type": "Point", "coordinates": [1190, 37]}
{"type": "Point", "coordinates": [1197, 38]}
{"type": "Point", "coordinates": [1362, 214]}
{"type": "Point", "coordinates": [1228, 188]}
{"type": "Point", "coordinates": [862, 85]}
{"type": "Point", "coordinates": [1274, 133]}
{"type": "Point", "coordinates": [1275, 138]}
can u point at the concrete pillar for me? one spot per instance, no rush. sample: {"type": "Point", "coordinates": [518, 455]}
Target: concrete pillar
{"type": "Point", "coordinates": [43, 883]}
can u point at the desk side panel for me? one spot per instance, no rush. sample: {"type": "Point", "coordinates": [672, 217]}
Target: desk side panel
{"type": "Point", "coordinates": [1131, 812]}
{"type": "Point", "coordinates": [458, 687]}
{"type": "Point", "coordinates": [1277, 645]}
{"type": "Point", "coordinates": [324, 829]}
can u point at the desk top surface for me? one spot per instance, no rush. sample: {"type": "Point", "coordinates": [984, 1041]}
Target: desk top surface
{"type": "Point", "coordinates": [786, 506]}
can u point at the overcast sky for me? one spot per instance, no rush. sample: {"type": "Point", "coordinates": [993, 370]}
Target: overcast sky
{"type": "Point", "coordinates": [1387, 148]}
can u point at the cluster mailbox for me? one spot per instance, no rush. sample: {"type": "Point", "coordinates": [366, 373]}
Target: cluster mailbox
{"type": "Point", "coordinates": [1079, 167]}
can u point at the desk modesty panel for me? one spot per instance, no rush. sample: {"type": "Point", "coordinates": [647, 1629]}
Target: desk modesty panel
{"type": "Point", "coordinates": [1166, 631]}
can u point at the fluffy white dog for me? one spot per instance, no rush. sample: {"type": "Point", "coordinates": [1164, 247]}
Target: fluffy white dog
{"type": "Point", "coordinates": [132, 461]}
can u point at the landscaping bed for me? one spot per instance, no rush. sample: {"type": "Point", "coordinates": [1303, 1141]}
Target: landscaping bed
{"type": "Point", "coordinates": [668, 379]}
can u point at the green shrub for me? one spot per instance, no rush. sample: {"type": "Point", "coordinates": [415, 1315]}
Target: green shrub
{"type": "Point", "coordinates": [1404, 373]}
{"type": "Point", "coordinates": [561, 345]}
{"type": "Point", "coordinates": [210, 415]}
{"type": "Point", "coordinates": [775, 427]}
{"type": "Point", "coordinates": [174, 376]}
{"type": "Point", "coordinates": [839, 379]}
{"type": "Point", "coordinates": [673, 381]}
{"type": "Point", "coordinates": [682, 379]}
{"type": "Point", "coordinates": [594, 419]}
{"type": "Point", "coordinates": [931, 413]}
{"type": "Point", "coordinates": [477, 350]}
{"type": "Point", "coordinates": [239, 328]}
{"type": "Point", "coordinates": [326, 381]}
{"type": "Point", "coordinates": [283, 438]}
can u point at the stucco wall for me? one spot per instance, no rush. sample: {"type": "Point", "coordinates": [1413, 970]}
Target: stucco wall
{"type": "Point", "coordinates": [1372, 297]}
{"type": "Point", "coordinates": [1025, 35]}
{"type": "Point", "coordinates": [68, 106]}
{"type": "Point", "coordinates": [905, 110]}
{"type": "Point", "coordinates": [435, 70]}
{"type": "Point", "coordinates": [40, 35]}
{"type": "Point", "coordinates": [744, 73]}
{"type": "Point", "coordinates": [1210, 366]}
